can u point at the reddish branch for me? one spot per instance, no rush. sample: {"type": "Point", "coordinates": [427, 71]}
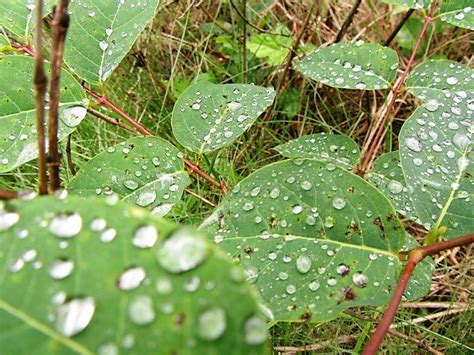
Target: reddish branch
{"type": "Point", "coordinates": [415, 256]}
{"type": "Point", "coordinates": [103, 100]}
{"type": "Point", "coordinates": [40, 84]}
{"type": "Point", "coordinates": [8, 195]}
{"type": "Point", "coordinates": [375, 137]}
{"type": "Point", "coordinates": [59, 26]}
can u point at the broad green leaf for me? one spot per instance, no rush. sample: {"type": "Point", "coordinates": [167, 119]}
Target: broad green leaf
{"type": "Point", "coordinates": [387, 176]}
{"type": "Point", "coordinates": [337, 149]}
{"type": "Point", "coordinates": [436, 145]}
{"type": "Point", "coordinates": [18, 16]}
{"type": "Point", "coordinates": [272, 47]}
{"type": "Point", "coordinates": [435, 152]}
{"type": "Point", "coordinates": [17, 110]}
{"type": "Point", "coordinates": [314, 238]}
{"type": "Point", "coordinates": [458, 13]}
{"type": "Point", "coordinates": [102, 32]}
{"type": "Point", "coordinates": [290, 102]}
{"type": "Point", "coordinates": [412, 4]}
{"type": "Point", "coordinates": [4, 40]}
{"type": "Point", "coordinates": [351, 66]}
{"type": "Point", "coordinates": [90, 275]}
{"type": "Point", "coordinates": [440, 80]}
{"type": "Point", "coordinates": [209, 116]}
{"type": "Point", "coordinates": [146, 171]}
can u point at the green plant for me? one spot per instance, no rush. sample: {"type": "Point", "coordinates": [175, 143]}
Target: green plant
{"type": "Point", "coordinates": [306, 238]}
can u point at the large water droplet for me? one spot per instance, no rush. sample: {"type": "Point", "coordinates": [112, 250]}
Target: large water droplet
{"type": "Point", "coordinates": [360, 279]}
{"type": "Point", "coordinates": [140, 310]}
{"type": "Point", "coordinates": [255, 331]}
{"type": "Point", "coordinates": [303, 264]}
{"type": "Point", "coordinates": [394, 187]}
{"type": "Point", "coordinates": [164, 286]}
{"type": "Point", "coordinates": [61, 268]}
{"type": "Point", "coordinates": [182, 251]}
{"type": "Point", "coordinates": [73, 317]}
{"type": "Point", "coordinates": [212, 323]}
{"type": "Point", "coordinates": [131, 278]}
{"type": "Point", "coordinates": [339, 202]}
{"type": "Point", "coordinates": [146, 198]}
{"type": "Point", "coordinates": [8, 220]}
{"type": "Point", "coordinates": [145, 237]}
{"type": "Point", "coordinates": [66, 225]}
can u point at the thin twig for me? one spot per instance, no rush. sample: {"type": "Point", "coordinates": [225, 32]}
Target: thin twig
{"type": "Point", "coordinates": [375, 136]}
{"type": "Point", "coordinates": [399, 27]}
{"type": "Point", "coordinates": [40, 84]}
{"type": "Point", "coordinates": [70, 163]}
{"type": "Point", "coordinates": [415, 256]}
{"type": "Point", "coordinates": [103, 100]}
{"type": "Point", "coordinates": [347, 22]}
{"type": "Point", "coordinates": [8, 195]}
{"type": "Point", "coordinates": [244, 41]}
{"type": "Point", "coordinates": [59, 26]}
{"type": "Point", "coordinates": [203, 199]}
{"type": "Point", "coordinates": [112, 120]}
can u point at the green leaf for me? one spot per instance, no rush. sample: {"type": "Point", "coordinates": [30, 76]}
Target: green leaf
{"type": "Point", "coordinates": [18, 16]}
{"type": "Point", "coordinates": [435, 151]}
{"type": "Point", "coordinates": [146, 171]}
{"type": "Point", "coordinates": [436, 145]}
{"type": "Point", "coordinates": [337, 149]}
{"type": "Point", "coordinates": [209, 116]}
{"type": "Point", "coordinates": [314, 238]}
{"type": "Point", "coordinates": [458, 13]}
{"type": "Point", "coordinates": [387, 176]}
{"type": "Point", "coordinates": [290, 102]}
{"type": "Point", "coordinates": [101, 33]}
{"type": "Point", "coordinates": [412, 4]}
{"type": "Point", "coordinates": [86, 275]}
{"type": "Point", "coordinates": [436, 80]}
{"type": "Point", "coordinates": [17, 110]}
{"type": "Point", "coordinates": [351, 66]}
{"type": "Point", "coordinates": [271, 47]}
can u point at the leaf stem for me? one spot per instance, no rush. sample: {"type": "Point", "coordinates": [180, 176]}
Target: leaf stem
{"type": "Point", "coordinates": [103, 100]}
{"type": "Point", "coordinates": [40, 85]}
{"type": "Point", "coordinates": [375, 136]}
{"type": "Point", "coordinates": [59, 26]}
{"type": "Point", "coordinates": [112, 120]}
{"type": "Point", "coordinates": [415, 256]}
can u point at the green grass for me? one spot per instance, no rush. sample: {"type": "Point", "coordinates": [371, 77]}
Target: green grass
{"type": "Point", "coordinates": [179, 47]}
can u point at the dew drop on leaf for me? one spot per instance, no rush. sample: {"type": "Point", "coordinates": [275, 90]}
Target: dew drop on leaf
{"type": "Point", "coordinates": [255, 331]}
{"type": "Point", "coordinates": [141, 311]}
{"type": "Point", "coordinates": [145, 237]}
{"type": "Point", "coordinates": [61, 268]}
{"type": "Point", "coordinates": [131, 278]}
{"type": "Point", "coordinates": [303, 264]}
{"type": "Point", "coordinates": [66, 225]}
{"type": "Point", "coordinates": [74, 316]}
{"type": "Point", "coordinates": [212, 323]}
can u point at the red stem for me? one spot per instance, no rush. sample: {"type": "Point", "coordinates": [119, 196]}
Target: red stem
{"type": "Point", "coordinates": [8, 195]}
{"type": "Point", "coordinates": [106, 102]}
{"type": "Point", "coordinates": [376, 141]}
{"type": "Point", "coordinates": [415, 256]}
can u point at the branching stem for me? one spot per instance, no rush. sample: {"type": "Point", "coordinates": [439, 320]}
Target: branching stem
{"type": "Point", "coordinates": [415, 256]}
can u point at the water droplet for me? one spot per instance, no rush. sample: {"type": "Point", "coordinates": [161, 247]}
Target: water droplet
{"type": "Point", "coordinates": [413, 144]}
{"type": "Point", "coordinates": [452, 80]}
{"type": "Point", "coordinates": [275, 192]}
{"type": "Point", "coordinates": [360, 280]}
{"type": "Point", "coordinates": [66, 225]}
{"type": "Point", "coordinates": [130, 184]}
{"type": "Point", "coordinates": [108, 349]}
{"type": "Point", "coordinates": [255, 331]}
{"type": "Point", "coordinates": [164, 286]}
{"type": "Point", "coordinates": [145, 237]}
{"type": "Point", "coordinates": [314, 285]}
{"type": "Point", "coordinates": [432, 105]}
{"type": "Point", "coordinates": [8, 220]}
{"type": "Point", "coordinates": [192, 284]}
{"type": "Point", "coordinates": [332, 281]}
{"type": "Point", "coordinates": [140, 310]}
{"type": "Point", "coordinates": [211, 324]}
{"type": "Point", "coordinates": [394, 187]}
{"type": "Point", "coordinates": [306, 185]}
{"type": "Point", "coordinates": [196, 106]}
{"type": "Point", "coordinates": [283, 275]}
{"type": "Point", "coordinates": [251, 274]}
{"type": "Point", "coordinates": [303, 264]}
{"type": "Point", "coordinates": [131, 278]}
{"type": "Point", "coordinates": [339, 202]}
{"type": "Point", "coordinates": [182, 251]}
{"type": "Point", "coordinates": [74, 316]}
{"type": "Point", "coordinates": [61, 268]}
{"type": "Point", "coordinates": [146, 198]}
{"type": "Point", "coordinates": [107, 235]}
{"type": "Point", "coordinates": [342, 269]}
{"type": "Point", "coordinates": [290, 289]}
{"type": "Point", "coordinates": [297, 209]}
{"type": "Point", "coordinates": [108, 31]}
{"type": "Point", "coordinates": [329, 222]}
{"type": "Point", "coordinates": [91, 13]}
{"type": "Point", "coordinates": [103, 45]}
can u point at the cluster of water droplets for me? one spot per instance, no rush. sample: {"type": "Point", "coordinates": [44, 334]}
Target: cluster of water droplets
{"type": "Point", "coordinates": [351, 66]}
